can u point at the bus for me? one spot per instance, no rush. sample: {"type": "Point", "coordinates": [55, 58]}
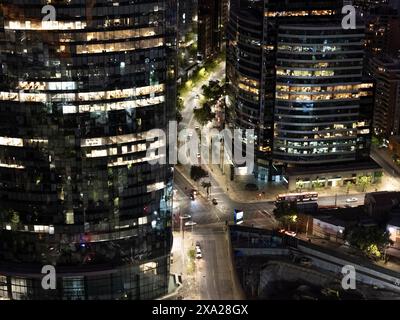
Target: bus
{"type": "Point", "coordinates": [298, 197]}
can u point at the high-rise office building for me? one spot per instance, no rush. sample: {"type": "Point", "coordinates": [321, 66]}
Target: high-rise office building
{"type": "Point", "coordinates": [187, 39]}
{"type": "Point", "coordinates": [395, 4]}
{"type": "Point", "coordinates": [251, 63]}
{"type": "Point", "coordinates": [296, 77]}
{"type": "Point", "coordinates": [367, 5]}
{"type": "Point", "coordinates": [79, 96]}
{"type": "Point", "coordinates": [386, 72]}
{"type": "Point", "coordinates": [212, 16]}
{"type": "Point", "coordinates": [187, 12]}
{"type": "Point", "coordinates": [382, 30]}
{"type": "Point", "coordinates": [318, 85]}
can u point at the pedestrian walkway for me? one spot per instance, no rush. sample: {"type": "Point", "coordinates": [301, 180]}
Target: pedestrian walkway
{"type": "Point", "coordinates": [182, 264]}
{"type": "Point", "coordinates": [267, 191]}
{"type": "Point", "coordinates": [236, 190]}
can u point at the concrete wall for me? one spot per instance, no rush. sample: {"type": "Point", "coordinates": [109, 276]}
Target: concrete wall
{"type": "Point", "coordinates": [380, 277]}
{"type": "Point", "coordinates": [364, 274]}
{"type": "Point", "coordinates": [279, 270]}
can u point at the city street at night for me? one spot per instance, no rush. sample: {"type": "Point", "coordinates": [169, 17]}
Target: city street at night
{"type": "Point", "coordinates": [194, 158]}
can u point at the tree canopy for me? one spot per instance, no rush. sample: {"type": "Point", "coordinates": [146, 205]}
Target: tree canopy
{"type": "Point", "coordinates": [197, 172]}
{"type": "Point", "coordinates": [286, 213]}
{"type": "Point", "coordinates": [372, 241]}
{"type": "Point", "coordinates": [204, 115]}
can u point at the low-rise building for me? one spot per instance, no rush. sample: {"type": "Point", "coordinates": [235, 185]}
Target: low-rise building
{"type": "Point", "coordinates": [329, 228]}
{"type": "Point", "coordinates": [311, 178]}
{"type": "Point", "coordinates": [393, 227]}
{"type": "Point", "coordinates": [331, 224]}
{"type": "Point", "coordinates": [379, 204]}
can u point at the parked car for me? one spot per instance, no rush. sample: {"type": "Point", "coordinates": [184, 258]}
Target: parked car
{"type": "Point", "coordinates": [351, 200]}
{"type": "Point", "coordinates": [190, 223]}
{"type": "Point", "coordinates": [198, 253]}
{"type": "Point", "coordinates": [290, 233]}
{"type": "Point", "coordinates": [192, 194]}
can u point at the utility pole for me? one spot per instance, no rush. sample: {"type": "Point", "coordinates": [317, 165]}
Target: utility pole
{"type": "Point", "coordinates": [336, 200]}
{"type": "Point", "coordinates": [308, 219]}
{"type": "Point", "coordinates": [183, 242]}
{"type": "Point", "coordinates": [192, 233]}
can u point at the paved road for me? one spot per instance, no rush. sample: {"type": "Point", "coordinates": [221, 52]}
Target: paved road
{"type": "Point", "coordinates": [213, 277]}
{"type": "Point", "coordinates": [204, 212]}
{"type": "Point", "coordinates": [214, 271]}
{"type": "Point", "coordinates": [191, 100]}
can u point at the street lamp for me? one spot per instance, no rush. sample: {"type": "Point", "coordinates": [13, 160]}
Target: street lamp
{"type": "Point", "coordinates": [183, 241]}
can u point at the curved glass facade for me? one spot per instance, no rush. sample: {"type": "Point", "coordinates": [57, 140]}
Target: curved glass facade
{"type": "Point", "coordinates": [244, 71]}
{"type": "Point", "coordinates": [78, 98]}
{"type": "Point", "coordinates": [251, 65]}
{"type": "Point", "coordinates": [318, 88]}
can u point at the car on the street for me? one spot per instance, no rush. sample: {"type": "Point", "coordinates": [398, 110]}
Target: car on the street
{"type": "Point", "coordinates": [198, 155]}
{"type": "Point", "coordinates": [186, 216]}
{"type": "Point", "coordinates": [214, 201]}
{"type": "Point", "coordinates": [190, 223]}
{"type": "Point", "coordinates": [197, 127]}
{"type": "Point", "coordinates": [351, 200]}
{"type": "Point", "coordinates": [192, 194]}
{"type": "Point", "coordinates": [198, 253]}
{"type": "Point", "coordinates": [290, 233]}
{"type": "Point", "coordinates": [198, 245]}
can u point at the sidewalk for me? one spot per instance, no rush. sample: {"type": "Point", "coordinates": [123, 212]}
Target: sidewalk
{"type": "Point", "coordinates": [236, 190]}
{"type": "Point", "coordinates": [183, 265]}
